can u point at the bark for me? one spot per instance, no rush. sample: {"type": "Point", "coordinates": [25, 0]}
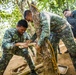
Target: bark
{"type": "Point", "coordinates": [21, 4]}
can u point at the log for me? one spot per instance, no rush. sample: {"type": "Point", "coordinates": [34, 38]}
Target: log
{"type": "Point", "coordinates": [28, 70]}
{"type": "Point", "coordinates": [30, 44]}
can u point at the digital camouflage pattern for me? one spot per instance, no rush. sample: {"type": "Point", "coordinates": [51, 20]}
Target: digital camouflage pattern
{"type": "Point", "coordinates": [50, 22]}
{"type": "Point", "coordinates": [10, 38]}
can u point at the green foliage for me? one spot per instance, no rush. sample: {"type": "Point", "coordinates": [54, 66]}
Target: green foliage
{"type": "Point", "coordinates": [3, 15]}
{"type": "Point", "coordinates": [4, 1]}
{"type": "Point", "coordinates": [11, 18]}
{"type": "Point", "coordinates": [16, 15]}
{"type": "Point", "coordinates": [56, 6]}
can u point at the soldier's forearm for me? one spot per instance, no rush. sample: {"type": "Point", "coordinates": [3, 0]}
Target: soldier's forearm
{"type": "Point", "coordinates": [34, 37]}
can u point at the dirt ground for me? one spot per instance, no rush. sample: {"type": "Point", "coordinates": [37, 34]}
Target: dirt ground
{"type": "Point", "coordinates": [63, 59]}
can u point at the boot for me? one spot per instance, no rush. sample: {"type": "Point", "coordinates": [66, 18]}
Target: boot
{"type": "Point", "coordinates": [33, 72]}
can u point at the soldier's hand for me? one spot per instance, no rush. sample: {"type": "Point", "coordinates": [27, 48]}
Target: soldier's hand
{"type": "Point", "coordinates": [25, 45]}
{"type": "Point", "coordinates": [28, 41]}
{"type": "Point", "coordinates": [21, 45]}
{"type": "Point", "coordinates": [18, 44]}
{"type": "Point", "coordinates": [38, 48]}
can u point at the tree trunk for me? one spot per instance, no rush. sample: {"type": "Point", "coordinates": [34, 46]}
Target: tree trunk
{"type": "Point", "coordinates": [47, 56]}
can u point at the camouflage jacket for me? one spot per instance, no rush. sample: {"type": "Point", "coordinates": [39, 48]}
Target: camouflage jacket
{"type": "Point", "coordinates": [11, 37]}
{"type": "Point", "coordinates": [49, 22]}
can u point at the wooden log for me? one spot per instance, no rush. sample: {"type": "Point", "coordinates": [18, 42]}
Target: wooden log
{"type": "Point", "coordinates": [28, 70]}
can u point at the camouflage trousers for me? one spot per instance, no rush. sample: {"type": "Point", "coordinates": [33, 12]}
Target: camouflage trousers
{"type": "Point", "coordinates": [6, 58]}
{"type": "Point", "coordinates": [67, 37]}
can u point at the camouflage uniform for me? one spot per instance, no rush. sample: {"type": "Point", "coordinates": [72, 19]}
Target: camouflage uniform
{"type": "Point", "coordinates": [10, 38]}
{"type": "Point", "coordinates": [50, 22]}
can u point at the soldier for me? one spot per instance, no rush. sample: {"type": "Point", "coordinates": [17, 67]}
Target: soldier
{"type": "Point", "coordinates": [13, 39]}
{"type": "Point", "coordinates": [69, 13]}
{"type": "Point", "coordinates": [50, 22]}
{"type": "Point", "coordinates": [71, 18]}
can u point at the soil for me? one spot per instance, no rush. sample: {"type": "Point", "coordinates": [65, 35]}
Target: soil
{"type": "Point", "coordinates": [65, 60]}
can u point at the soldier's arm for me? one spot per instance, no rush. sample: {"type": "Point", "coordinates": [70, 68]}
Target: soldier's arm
{"type": "Point", "coordinates": [31, 40]}
{"type": "Point", "coordinates": [33, 37]}
{"type": "Point", "coordinates": [6, 43]}
{"type": "Point", "coordinates": [45, 22]}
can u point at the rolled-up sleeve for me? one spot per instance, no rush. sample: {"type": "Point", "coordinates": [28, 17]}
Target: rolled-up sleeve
{"type": "Point", "coordinates": [45, 23]}
{"type": "Point", "coordinates": [6, 43]}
